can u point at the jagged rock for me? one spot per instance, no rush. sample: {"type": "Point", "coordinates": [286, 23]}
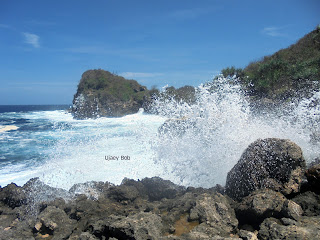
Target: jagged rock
{"type": "Point", "coordinates": [37, 192]}
{"type": "Point", "coordinates": [18, 230]}
{"type": "Point", "coordinates": [140, 226]}
{"type": "Point", "coordinates": [309, 202]}
{"type": "Point", "coordinates": [272, 163]}
{"type": "Point", "coordinates": [158, 188]}
{"type": "Point", "coordinates": [13, 195]}
{"type": "Point", "coordinates": [91, 189]}
{"type": "Point", "coordinates": [305, 228]}
{"type": "Point", "coordinates": [265, 203]}
{"type": "Point", "coordinates": [123, 193]}
{"type": "Point", "coordinates": [215, 215]}
{"type": "Point", "coordinates": [313, 176]}
{"type": "Point", "coordinates": [54, 222]}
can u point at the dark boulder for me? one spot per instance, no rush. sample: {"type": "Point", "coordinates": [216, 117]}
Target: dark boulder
{"type": "Point", "coordinates": [272, 163]}
{"type": "Point", "coordinates": [123, 193]}
{"type": "Point", "coordinates": [158, 188]}
{"type": "Point", "coordinates": [313, 176]}
{"type": "Point", "coordinates": [309, 202]}
{"type": "Point", "coordinates": [264, 203]}
{"type": "Point", "coordinates": [13, 195]}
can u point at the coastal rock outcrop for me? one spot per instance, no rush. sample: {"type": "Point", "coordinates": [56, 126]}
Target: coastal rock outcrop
{"type": "Point", "coordinates": [264, 203]}
{"type": "Point", "coordinates": [103, 94]}
{"type": "Point", "coordinates": [272, 163]}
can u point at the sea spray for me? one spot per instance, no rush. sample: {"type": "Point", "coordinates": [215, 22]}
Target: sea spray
{"type": "Point", "coordinates": [104, 149]}
{"type": "Point", "coordinates": [200, 143]}
{"type": "Point", "coordinates": [191, 144]}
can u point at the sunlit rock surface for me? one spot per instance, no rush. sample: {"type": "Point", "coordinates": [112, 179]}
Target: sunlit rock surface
{"type": "Point", "coordinates": [272, 163]}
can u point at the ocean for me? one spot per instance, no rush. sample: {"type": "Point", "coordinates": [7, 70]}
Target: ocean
{"type": "Point", "coordinates": [200, 144]}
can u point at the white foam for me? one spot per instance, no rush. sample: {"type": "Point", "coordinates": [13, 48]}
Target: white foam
{"type": "Point", "coordinates": [80, 155]}
{"type": "Point", "coordinates": [6, 128]}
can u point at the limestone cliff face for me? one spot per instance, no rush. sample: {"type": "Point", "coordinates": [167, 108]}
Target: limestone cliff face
{"type": "Point", "coordinates": [103, 94]}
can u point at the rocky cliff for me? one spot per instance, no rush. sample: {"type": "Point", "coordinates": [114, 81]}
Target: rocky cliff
{"type": "Point", "coordinates": [103, 94]}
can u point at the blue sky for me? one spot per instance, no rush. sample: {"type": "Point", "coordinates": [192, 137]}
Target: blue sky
{"type": "Point", "coordinates": [45, 46]}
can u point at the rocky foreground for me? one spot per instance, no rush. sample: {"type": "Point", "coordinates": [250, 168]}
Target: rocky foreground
{"type": "Point", "coordinates": [269, 194]}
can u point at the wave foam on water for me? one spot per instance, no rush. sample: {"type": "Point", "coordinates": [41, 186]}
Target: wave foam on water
{"type": "Point", "coordinates": [192, 145]}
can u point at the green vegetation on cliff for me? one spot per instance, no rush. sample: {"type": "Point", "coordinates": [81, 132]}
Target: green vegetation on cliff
{"type": "Point", "coordinates": [183, 94]}
{"type": "Point", "coordinates": [101, 93]}
{"type": "Point", "coordinates": [284, 73]}
{"type": "Point", "coordinates": [104, 84]}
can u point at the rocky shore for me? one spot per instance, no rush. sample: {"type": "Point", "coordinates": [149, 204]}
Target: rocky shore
{"type": "Point", "coordinates": [269, 194]}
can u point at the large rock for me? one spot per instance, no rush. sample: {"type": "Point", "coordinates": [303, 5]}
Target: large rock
{"type": "Point", "coordinates": [215, 215]}
{"type": "Point", "coordinates": [158, 188]}
{"type": "Point", "coordinates": [272, 163]}
{"type": "Point", "coordinates": [265, 203]}
{"type": "Point", "coordinates": [54, 222]}
{"type": "Point", "coordinates": [13, 195]}
{"type": "Point", "coordinates": [103, 94]}
{"type": "Point", "coordinates": [140, 226]}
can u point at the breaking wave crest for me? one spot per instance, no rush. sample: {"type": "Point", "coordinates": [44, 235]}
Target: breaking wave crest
{"type": "Point", "coordinates": [200, 143]}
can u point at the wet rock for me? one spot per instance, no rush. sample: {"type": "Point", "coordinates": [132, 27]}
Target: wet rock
{"type": "Point", "coordinates": [157, 188]}
{"type": "Point", "coordinates": [265, 203]}
{"type": "Point", "coordinates": [272, 163]}
{"type": "Point", "coordinates": [37, 191]}
{"type": "Point", "coordinates": [54, 222]}
{"type": "Point", "coordinates": [13, 195]}
{"type": "Point", "coordinates": [313, 176]}
{"type": "Point", "coordinates": [305, 228]}
{"type": "Point", "coordinates": [309, 202]}
{"type": "Point", "coordinates": [123, 193]}
{"type": "Point", "coordinates": [91, 189]}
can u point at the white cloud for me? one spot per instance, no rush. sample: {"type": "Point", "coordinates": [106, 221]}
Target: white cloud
{"type": "Point", "coordinates": [4, 25]}
{"type": "Point", "coordinates": [274, 31]}
{"type": "Point", "coordinates": [32, 39]}
{"type": "Point", "coordinates": [140, 75]}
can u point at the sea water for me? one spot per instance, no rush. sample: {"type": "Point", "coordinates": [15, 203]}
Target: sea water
{"type": "Point", "coordinates": [201, 144]}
